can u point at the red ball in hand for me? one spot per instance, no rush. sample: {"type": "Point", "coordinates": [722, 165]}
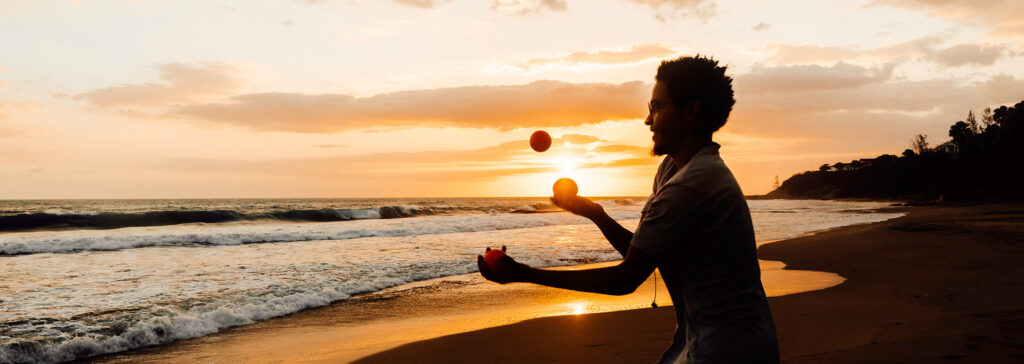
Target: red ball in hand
{"type": "Point", "coordinates": [493, 259]}
{"type": "Point", "coordinates": [564, 188]}
{"type": "Point", "coordinates": [540, 141]}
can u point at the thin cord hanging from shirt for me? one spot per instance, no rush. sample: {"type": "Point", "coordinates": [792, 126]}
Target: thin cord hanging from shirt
{"type": "Point", "coordinates": [655, 299]}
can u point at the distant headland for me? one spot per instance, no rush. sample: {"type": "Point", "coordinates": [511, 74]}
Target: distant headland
{"type": "Point", "coordinates": [983, 161]}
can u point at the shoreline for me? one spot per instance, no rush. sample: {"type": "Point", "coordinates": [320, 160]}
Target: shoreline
{"type": "Point", "coordinates": [940, 283]}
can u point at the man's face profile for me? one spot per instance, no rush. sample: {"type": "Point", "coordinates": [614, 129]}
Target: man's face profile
{"type": "Point", "coordinates": [666, 121]}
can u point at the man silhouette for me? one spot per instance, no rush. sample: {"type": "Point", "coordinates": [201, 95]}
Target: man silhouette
{"type": "Point", "coordinates": [695, 228]}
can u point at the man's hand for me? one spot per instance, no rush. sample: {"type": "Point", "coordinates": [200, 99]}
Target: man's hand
{"type": "Point", "coordinates": [579, 206]}
{"type": "Point", "coordinates": [510, 270]}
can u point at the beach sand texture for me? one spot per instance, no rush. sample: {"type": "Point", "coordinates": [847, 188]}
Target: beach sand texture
{"type": "Point", "coordinates": [938, 285]}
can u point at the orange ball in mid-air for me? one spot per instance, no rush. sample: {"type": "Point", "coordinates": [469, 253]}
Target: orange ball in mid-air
{"type": "Point", "coordinates": [493, 258]}
{"type": "Point", "coordinates": [540, 141]}
{"type": "Point", "coordinates": [565, 187]}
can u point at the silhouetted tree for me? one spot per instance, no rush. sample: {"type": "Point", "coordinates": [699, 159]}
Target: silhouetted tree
{"type": "Point", "coordinates": [919, 144]}
{"type": "Point", "coordinates": [825, 167]}
{"type": "Point", "coordinates": [973, 122]}
{"type": "Point", "coordinates": [907, 153]}
{"type": "Point", "coordinates": [961, 133]}
{"type": "Point", "coordinates": [986, 117]}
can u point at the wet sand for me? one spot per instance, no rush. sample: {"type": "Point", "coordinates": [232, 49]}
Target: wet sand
{"type": "Point", "coordinates": [942, 284]}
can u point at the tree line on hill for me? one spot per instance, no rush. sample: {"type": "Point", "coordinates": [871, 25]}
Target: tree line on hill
{"type": "Point", "coordinates": [983, 161]}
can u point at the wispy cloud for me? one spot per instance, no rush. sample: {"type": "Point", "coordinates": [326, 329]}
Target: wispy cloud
{"type": "Point", "coordinates": [967, 54]}
{"type": "Point", "coordinates": [182, 82]}
{"type": "Point", "coordinates": [527, 7]}
{"type": "Point", "coordinates": [606, 57]}
{"type": "Point", "coordinates": [925, 49]}
{"type": "Point", "coordinates": [810, 77]}
{"type": "Point", "coordinates": [1002, 17]}
{"type": "Point", "coordinates": [668, 9]}
{"type": "Point", "coordinates": [424, 4]}
{"type": "Point", "coordinates": [858, 106]}
{"type": "Point", "coordinates": [541, 103]}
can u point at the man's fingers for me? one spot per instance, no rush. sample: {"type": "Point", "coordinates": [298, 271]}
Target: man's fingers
{"type": "Point", "coordinates": [503, 248]}
{"type": "Point", "coordinates": [487, 250]}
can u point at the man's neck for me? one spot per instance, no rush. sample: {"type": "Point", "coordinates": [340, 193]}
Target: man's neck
{"type": "Point", "coordinates": [689, 149]}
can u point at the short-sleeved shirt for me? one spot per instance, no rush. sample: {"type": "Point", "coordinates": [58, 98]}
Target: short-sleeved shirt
{"type": "Point", "coordinates": [697, 226]}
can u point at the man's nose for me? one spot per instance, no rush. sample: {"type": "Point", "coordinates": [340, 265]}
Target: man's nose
{"type": "Point", "coordinates": [649, 120]}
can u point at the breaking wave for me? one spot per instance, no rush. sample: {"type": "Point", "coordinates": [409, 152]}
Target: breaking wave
{"type": "Point", "coordinates": [109, 220]}
{"type": "Point", "coordinates": [217, 235]}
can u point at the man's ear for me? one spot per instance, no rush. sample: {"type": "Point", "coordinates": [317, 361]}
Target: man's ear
{"type": "Point", "coordinates": [691, 111]}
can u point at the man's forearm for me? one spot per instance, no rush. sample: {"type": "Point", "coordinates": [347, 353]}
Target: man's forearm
{"type": "Point", "coordinates": [607, 280]}
{"type": "Point", "coordinates": [614, 232]}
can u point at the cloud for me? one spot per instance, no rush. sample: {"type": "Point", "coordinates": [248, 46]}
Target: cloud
{"type": "Point", "coordinates": [762, 26]}
{"type": "Point", "coordinates": [812, 53]}
{"type": "Point", "coordinates": [537, 104]}
{"type": "Point", "coordinates": [924, 49]}
{"type": "Point", "coordinates": [811, 77]}
{"type": "Point", "coordinates": [604, 57]}
{"type": "Point", "coordinates": [1002, 17]}
{"type": "Point", "coordinates": [423, 4]}
{"type": "Point", "coordinates": [667, 9]}
{"type": "Point", "coordinates": [849, 105]}
{"type": "Point", "coordinates": [526, 7]}
{"type": "Point", "coordinates": [621, 148]}
{"type": "Point", "coordinates": [883, 95]}
{"type": "Point", "coordinates": [579, 139]}
{"type": "Point", "coordinates": [181, 83]}
{"type": "Point", "coordinates": [965, 54]}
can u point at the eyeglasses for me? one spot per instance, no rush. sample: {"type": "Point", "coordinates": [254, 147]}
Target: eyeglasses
{"type": "Point", "coordinates": [652, 106]}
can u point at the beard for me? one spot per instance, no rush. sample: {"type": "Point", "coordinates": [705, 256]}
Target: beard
{"type": "Point", "coordinates": [660, 148]}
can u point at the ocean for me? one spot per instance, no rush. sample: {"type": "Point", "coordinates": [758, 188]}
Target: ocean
{"type": "Point", "coordinates": [87, 277]}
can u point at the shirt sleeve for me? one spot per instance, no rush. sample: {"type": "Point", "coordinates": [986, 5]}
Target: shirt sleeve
{"type": "Point", "coordinates": [670, 220]}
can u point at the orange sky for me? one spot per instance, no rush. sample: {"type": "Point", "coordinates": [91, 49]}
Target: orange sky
{"type": "Point", "coordinates": [403, 98]}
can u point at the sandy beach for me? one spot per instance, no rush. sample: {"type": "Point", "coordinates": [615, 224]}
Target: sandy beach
{"type": "Point", "coordinates": [940, 284]}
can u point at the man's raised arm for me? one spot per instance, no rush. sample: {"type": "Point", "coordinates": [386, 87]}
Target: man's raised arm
{"type": "Point", "coordinates": [617, 235]}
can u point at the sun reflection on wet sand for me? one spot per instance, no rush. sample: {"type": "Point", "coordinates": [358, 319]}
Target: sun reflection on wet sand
{"type": "Point", "coordinates": [576, 308]}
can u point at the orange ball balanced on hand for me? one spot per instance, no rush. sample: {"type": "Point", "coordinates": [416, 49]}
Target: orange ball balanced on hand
{"type": "Point", "coordinates": [540, 141]}
{"type": "Point", "coordinates": [493, 259]}
{"type": "Point", "coordinates": [565, 187]}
